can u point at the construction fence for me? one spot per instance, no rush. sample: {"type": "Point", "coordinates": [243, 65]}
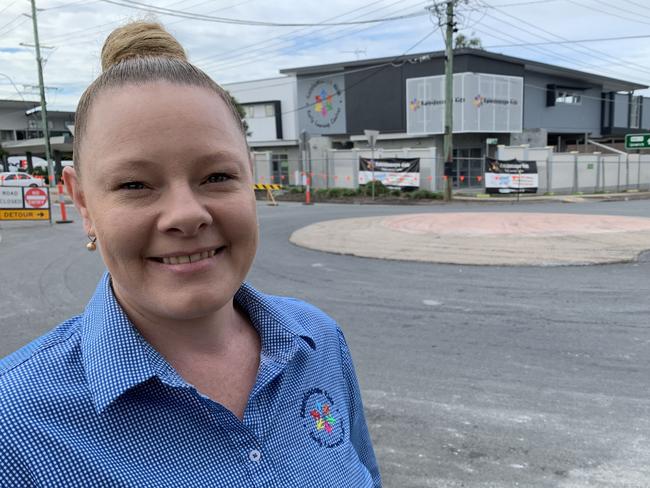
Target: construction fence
{"type": "Point", "coordinates": [557, 172]}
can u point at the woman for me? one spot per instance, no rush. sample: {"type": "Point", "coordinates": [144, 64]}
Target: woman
{"type": "Point", "coordinates": [177, 373]}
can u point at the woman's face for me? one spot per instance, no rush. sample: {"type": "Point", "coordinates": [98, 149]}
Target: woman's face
{"type": "Point", "coordinates": [166, 186]}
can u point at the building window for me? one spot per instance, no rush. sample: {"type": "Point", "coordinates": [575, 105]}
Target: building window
{"type": "Point", "coordinates": [259, 111]}
{"type": "Point", "coordinates": [6, 135]}
{"type": "Point", "coordinates": [568, 97]}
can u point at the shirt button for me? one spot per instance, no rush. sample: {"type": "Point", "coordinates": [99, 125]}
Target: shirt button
{"type": "Point", "coordinates": [255, 455]}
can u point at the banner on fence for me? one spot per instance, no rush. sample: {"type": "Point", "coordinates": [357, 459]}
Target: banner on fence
{"type": "Point", "coordinates": [402, 172]}
{"type": "Point", "coordinates": [511, 176]}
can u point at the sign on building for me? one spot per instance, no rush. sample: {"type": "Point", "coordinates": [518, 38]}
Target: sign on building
{"type": "Point", "coordinates": [481, 103]}
{"type": "Point", "coordinates": [321, 105]}
{"type": "Point", "coordinates": [511, 176]}
{"type": "Point", "coordinates": [402, 172]}
{"type": "Point", "coordinates": [20, 203]}
{"type": "Point", "coordinates": [637, 141]}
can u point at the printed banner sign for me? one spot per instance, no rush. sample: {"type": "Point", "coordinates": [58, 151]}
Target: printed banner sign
{"type": "Point", "coordinates": [511, 176]}
{"type": "Point", "coordinates": [20, 203]}
{"type": "Point", "coordinates": [400, 172]}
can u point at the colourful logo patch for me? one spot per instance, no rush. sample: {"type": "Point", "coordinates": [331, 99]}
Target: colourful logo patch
{"type": "Point", "coordinates": [415, 104]}
{"type": "Point", "coordinates": [321, 418]}
{"type": "Point", "coordinates": [478, 101]}
{"type": "Point", "coordinates": [323, 103]}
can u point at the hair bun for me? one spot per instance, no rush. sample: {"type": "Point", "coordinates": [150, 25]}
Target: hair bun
{"type": "Point", "coordinates": [140, 39]}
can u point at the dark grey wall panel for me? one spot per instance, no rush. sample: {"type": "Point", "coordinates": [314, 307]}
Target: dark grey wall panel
{"type": "Point", "coordinates": [375, 100]}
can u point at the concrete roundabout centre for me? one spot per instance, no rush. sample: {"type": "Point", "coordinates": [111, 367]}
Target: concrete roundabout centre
{"type": "Point", "coordinates": [493, 239]}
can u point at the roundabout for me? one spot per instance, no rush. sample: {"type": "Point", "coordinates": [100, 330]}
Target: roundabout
{"type": "Point", "coordinates": [493, 239]}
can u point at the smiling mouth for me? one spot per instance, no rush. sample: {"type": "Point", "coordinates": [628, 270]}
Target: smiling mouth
{"type": "Point", "coordinates": [190, 258]}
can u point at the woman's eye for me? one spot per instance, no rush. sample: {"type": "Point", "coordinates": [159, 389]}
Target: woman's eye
{"type": "Point", "coordinates": [217, 178]}
{"type": "Point", "coordinates": [132, 185]}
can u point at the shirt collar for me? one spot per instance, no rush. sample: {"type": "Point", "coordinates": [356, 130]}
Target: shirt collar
{"type": "Point", "coordinates": [116, 357]}
{"type": "Point", "coordinates": [278, 330]}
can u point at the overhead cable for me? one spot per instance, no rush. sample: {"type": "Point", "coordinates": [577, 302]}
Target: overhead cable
{"type": "Point", "coordinates": [253, 23]}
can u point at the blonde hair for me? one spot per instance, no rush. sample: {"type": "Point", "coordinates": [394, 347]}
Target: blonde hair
{"type": "Point", "coordinates": [139, 53]}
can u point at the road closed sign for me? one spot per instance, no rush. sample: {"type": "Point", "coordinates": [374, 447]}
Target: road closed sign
{"type": "Point", "coordinates": [11, 197]}
{"type": "Point", "coordinates": [18, 203]}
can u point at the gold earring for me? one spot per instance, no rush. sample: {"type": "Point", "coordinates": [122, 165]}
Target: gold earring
{"type": "Point", "coordinates": [91, 246]}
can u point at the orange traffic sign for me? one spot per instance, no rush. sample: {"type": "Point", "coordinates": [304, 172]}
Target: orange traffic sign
{"type": "Point", "coordinates": [28, 214]}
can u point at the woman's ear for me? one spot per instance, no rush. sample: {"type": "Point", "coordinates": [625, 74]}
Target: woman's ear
{"type": "Point", "coordinates": [74, 189]}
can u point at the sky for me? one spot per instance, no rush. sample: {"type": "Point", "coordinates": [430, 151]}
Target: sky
{"type": "Point", "coordinates": [72, 32]}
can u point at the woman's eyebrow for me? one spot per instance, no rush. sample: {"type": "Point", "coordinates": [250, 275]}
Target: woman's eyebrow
{"type": "Point", "coordinates": [219, 156]}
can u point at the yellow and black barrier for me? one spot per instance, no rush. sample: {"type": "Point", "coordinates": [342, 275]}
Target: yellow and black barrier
{"type": "Point", "coordinates": [269, 191]}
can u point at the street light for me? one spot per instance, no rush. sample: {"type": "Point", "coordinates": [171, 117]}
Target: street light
{"type": "Point", "coordinates": [371, 136]}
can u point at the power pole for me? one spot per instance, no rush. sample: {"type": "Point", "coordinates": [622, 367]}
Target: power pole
{"type": "Point", "coordinates": [41, 85]}
{"type": "Point", "coordinates": [449, 98]}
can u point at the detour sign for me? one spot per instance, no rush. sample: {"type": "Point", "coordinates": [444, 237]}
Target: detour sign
{"type": "Point", "coordinates": [24, 203]}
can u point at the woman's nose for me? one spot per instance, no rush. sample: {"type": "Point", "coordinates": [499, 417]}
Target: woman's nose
{"type": "Point", "coordinates": [183, 211]}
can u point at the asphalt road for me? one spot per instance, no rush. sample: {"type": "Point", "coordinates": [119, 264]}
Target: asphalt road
{"type": "Point", "coordinates": [472, 376]}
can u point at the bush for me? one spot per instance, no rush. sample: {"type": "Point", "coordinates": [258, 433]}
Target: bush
{"type": "Point", "coordinates": [296, 189]}
{"type": "Point", "coordinates": [380, 189]}
{"type": "Point", "coordinates": [425, 194]}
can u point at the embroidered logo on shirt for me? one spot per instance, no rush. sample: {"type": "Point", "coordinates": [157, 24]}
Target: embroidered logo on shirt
{"type": "Point", "coordinates": [322, 419]}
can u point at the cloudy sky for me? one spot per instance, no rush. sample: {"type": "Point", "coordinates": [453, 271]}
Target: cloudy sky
{"type": "Point", "coordinates": [73, 32]}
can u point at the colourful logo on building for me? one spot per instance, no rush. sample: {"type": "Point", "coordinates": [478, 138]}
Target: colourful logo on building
{"type": "Point", "coordinates": [478, 101]}
{"type": "Point", "coordinates": [323, 103]}
{"type": "Point", "coordinates": [321, 418]}
{"type": "Point", "coordinates": [415, 104]}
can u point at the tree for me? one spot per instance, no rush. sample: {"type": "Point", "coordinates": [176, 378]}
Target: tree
{"type": "Point", "coordinates": [463, 41]}
{"type": "Point", "coordinates": [242, 112]}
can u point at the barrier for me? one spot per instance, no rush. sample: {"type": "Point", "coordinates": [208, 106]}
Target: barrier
{"type": "Point", "coordinates": [269, 194]}
{"type": "Point", "coordinates": [64, 213]}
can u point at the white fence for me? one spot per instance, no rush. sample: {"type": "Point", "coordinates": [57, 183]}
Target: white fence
{"type": "Point", "coordinates": [586, 173]}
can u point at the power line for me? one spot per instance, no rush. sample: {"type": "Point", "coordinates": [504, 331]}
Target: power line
{"type": "Point", "coordinates": [70, 4]}
{"type": "Point", "coordinates": [9, 6]}
{"type": "Point", "coordinates": [287, 36]}
{"type": "Point", "coordinates": [255, 23]}
{"type": "Point", "coordinates": [598, 54]}
{"type": "Point", "coordinates": [608, 13]}
{"type": "Point", "coordinates": [99, 28]}
{"type": "Point", "coordinates": [572, 41]}
{"type": "Point", "coordinates": [11, 29]}
{"type": "Point", "coordinates": [379, 68]}
{"type": "Point", "coordinates": [238, 60]}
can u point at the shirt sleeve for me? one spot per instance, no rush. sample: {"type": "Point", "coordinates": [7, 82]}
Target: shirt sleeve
{"type": "Point", "coordinates": [359, 435]}
{"type": "Point", "coordinates": [13, 472]}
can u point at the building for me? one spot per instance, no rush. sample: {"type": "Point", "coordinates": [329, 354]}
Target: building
{"type": "Point", "coordinates": [21, 132]}
{"type": "Point", "coordinates": [497, 98]}
{"type": "Point", "coordinates": [310, 121]}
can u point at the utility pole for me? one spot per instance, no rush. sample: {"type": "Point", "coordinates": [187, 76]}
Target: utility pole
{"type": "Point", "coordinates": [41, 85]}
{"type": "Point", "coordinates": [449, 98]}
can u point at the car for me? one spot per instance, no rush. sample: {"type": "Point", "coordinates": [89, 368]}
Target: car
{"type": "Point", "coordinates": [18, 178]}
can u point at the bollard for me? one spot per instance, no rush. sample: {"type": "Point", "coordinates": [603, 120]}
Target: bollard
{"type": "Point", "coordinates": [307, 191]}
{"type": "Point", "coordinates": [64, 214]}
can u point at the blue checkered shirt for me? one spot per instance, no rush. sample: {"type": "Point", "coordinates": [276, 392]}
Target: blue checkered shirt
{"type": "Point", "coordinates": [91, 403]}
